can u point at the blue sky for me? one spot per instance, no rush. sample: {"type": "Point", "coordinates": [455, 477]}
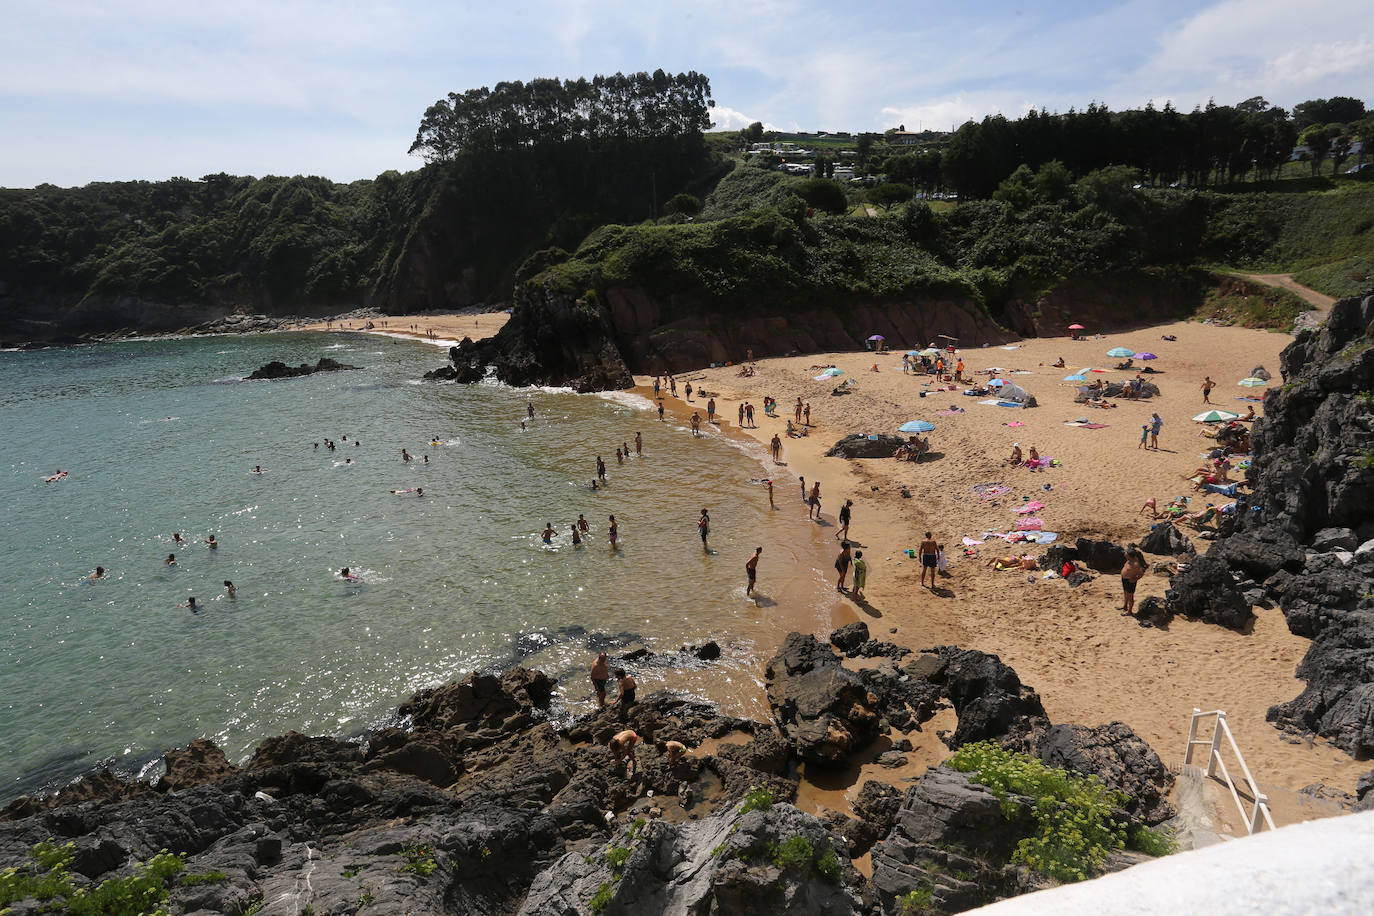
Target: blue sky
{"type": "Point", "coordinates": [126, 89]}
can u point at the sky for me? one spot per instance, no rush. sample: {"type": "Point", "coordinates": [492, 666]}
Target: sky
{"type": "Point", "coordinates": [105, 90]}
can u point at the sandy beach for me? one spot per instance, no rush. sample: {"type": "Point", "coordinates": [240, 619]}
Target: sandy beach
{"type": "Point", "coordinates": [1090, 664]}
{"type": "Point", "coordinates": [423, 327]}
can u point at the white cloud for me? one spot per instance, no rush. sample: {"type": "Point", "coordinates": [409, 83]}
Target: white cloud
{"type": "Point", "coordinates": [725, 118]}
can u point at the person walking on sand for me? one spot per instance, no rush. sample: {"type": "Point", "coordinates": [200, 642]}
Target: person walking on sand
{"type": "Point", "coordinates": [776, 446]}
{"type": "Point", "coordinates": [929, 552]}
{"type": "Point", "coordinates": [860, 575]}
{"type": "Point", "coordinates": [813, 502]}
{"type": "Point", "coordinates": [799, 410]}
{"type": "Point", "coordinates": [806, 414]}
{"type": "Point", "coordinates": [803, 486]}
{"type": "Point", "coordinates": [704, 528]}
{"type": "Point", "coordinates": [1131, 572]}
{"type": "Point", "coordinates": [751, 570]}
{"type": "Point", "coordinates": [601, 673]}
{"type": "Point", "coordinates": [672, 386]}
{"type": "Point", "coordinates": [658, 386]}
{"type": "Point", "coordinates": [1144, 436]}
{"type": "Point", "coordinates": [749, 414]}
{"type": "Point", "coordinates": [688, 389]}
{"type": "Point", "coordinates": [1207, 386]}
{"type": "Point", "coordinates": [842, 565]}
{"type": "Point", "coordinates": [845, 511]}
{"type": "Point", "coordinates": [1156, 424]}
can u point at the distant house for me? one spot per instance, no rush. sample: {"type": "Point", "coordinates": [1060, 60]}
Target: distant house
{"type": "Point", "coordinates": [904, 138]}
{"type": "Point", "coordinates": [843, 173]}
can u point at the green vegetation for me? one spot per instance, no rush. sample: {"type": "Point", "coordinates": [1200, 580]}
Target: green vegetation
{"type": "Point", "coordinates": [419, 860]}
{"type": "Point", "coordinates": [828, 866]}
{"type": "Point", "coordinates": [49, 881]}
{"type": "Point", "coordinates": [1252, 306]}
{"type": "Point", "coordinates": [617, 856]}
{"type": "Point", "coordinates": [602, 898]}
{"type": "Point", "coordinates": [756, 800]}
{"type": "Point", "coordinates": [794, 852]}
{"type": "Point", "coordinates": [918, 902]}
{"type": "Point", "coordinates": [209, 877]}
{"type": "Point", "coordinates": [1152, 842]}
{"type": "Point", "coordinates": [1077, 826]}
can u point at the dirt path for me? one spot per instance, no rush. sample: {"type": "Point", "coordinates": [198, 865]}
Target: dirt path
{"type": "Point", "coordinates": [1318, 301]}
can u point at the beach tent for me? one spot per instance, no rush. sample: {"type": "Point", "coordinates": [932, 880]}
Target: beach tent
{"type": "Point", "coordinates": [1012, 392]}
{"type": "Point", "coordinates": [998, 383]}
{"type": "Point", "coordinates": [916, 426]}
{"type": "Point", "coordinates": [1252, 382]}
{"type": "Point", "coordinates": [1145, 356]}
{"type": "Point", "coordinates": [1120, 351]}
{"type": "Point", "coordinates": [1216, 416]}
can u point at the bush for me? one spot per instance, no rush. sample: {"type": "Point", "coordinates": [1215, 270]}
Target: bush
{"type": "Point", "coordinates": [794, 852]}
{"type": "Point", "coordinates": [823, 194]}
{"type": "Point", "coordinates": [756, 800]}
{"type": "Point", "coordinates": [1076, 823]}
{"type": "Point", "coordinates": [50, 882]}
{"type": "Point", "coordinates": [917, 903]}
{"type": "Point", "coordinates": [1153, 842]}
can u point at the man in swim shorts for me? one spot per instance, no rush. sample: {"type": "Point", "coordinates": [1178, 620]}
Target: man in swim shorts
{"type": "Point", "coordinates": [1131, 573]}
{"type": "Point", "coordinates": [582, 523]}
{"type": "Point", "coordinates": [622, 745]}
{"type": "Point", "coordinates": [548, 534]}
{"type": "Point", "coordinates": [601, 673]}
{"type": "Point", "coordinates": [751, 569]}
{"type": "Point", "coordinates": [625, 693]}
{"type": "Point", "coordinates": [929, 552]}
{"type": "Point", "coordinates": [845, 511]}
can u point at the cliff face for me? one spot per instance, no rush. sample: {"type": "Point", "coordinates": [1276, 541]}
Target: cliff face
{"type": "Point", "coordinates": [1102, 305]}
{"type": "Point", "coordinates": [1305, 536]}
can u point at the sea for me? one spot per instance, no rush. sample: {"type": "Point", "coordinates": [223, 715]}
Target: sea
{"type": "Point", "coordinates": [160, 437]}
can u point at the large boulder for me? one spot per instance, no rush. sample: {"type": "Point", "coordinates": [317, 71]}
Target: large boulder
{"type": "Point", "coordinates": [1121, 758]}
{"type": "Point", "coordinates": [200, 762]}
{"type": "Point", "coordinates": [954, 837]}
{"type": "Point", "coordinates": [1338, 703]}
{"type": "Point", "coordinates": [1208, 592]}
{"type": "Point", "coordinates": [823, 709]}
{"type": "Point", "coordinates": [861, 446]}
{"type": "Point", "coordinates": [1103, 556]}
{"type": "Point", "coordinates": [278, 369]}
{"type": "Point", "coordinates": [850, 637]}
{"type": "Point", "coordinates": [1166, 540]}
{"type": "Point", "coordinates": [989, 699]}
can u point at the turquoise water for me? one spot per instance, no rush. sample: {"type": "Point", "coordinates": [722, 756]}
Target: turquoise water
{"type": "Point", "coordinates": [161, 436]}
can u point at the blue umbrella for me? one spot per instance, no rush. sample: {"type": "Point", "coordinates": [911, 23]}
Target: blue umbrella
{"type": "Point", "coordinates": [1075, 378]}
{"type": "Point", "coordinates": [998, 382]}
{"type": "Point", "coordinates": [916, 426]}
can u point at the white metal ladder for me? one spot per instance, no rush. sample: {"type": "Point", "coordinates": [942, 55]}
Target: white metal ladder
{"type": "Point", "coordinates": [1258, 816]}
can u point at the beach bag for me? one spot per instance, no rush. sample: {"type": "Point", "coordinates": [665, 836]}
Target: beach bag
{"type": "Point", "coordinates": [1068, 569]}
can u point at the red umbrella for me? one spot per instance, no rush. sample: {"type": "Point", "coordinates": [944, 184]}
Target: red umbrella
{"type": "Point", "coordinates": [1077, 327]}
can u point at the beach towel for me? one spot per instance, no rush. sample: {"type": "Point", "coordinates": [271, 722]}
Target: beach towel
{"type": "Point", "coordinates": [1043, 537]}
{"type": "Point", "coordinates": [1028, 508]}
{"type": "Point", "coordinates": [989, 491]}
{"type": "Point", "coordinates": [1016, 423]}
{"type": "Point", "coordinates": [1029, 524]}
{"type": "Point", "coordinates": [1039, 463]}
{"type": "Point", "coordinates": [970, 542]}
{"type": "Point", "coordinates": [1089, 425]}
{"type": "Point", "coordinates": [1228, 489]}
{"type": "Point", "coordinates": [991, 402]}
{"type": "Point", "coordinates": [948, 413]}
{"type": "Point", "coordinates": [1010, 404]}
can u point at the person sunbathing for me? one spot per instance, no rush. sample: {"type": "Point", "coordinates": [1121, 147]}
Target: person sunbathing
{"type": "Point", "coordinates": [1250, 415]}
{"type": "Point", "coordinates": [1034, 455]}
{"type": "Point", "coordinates": [1060, 364]}
{"type": "Point", "coordinates": [1199, 519]}
{"type": "Point", "coordinates": [1001, 563]}
{"type": "Point", "coordinates": [1015, 458]}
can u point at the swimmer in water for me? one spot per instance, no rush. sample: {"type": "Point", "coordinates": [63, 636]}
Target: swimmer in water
{"type": "Point", "coordinates": [594, 486]}
{"type": "Point", "coordinates": [229, 588]}
{"type": "Point", "coordinates": [347, 576]}
{"type": "Point", "coordinates": [98, 574]}
{"type": "Point", "coordinates": [549, 534]}
{"type": "Point", "coordinates": [582, 523]}
{"type": "Point", "coordinates": [211, 543]}
{"type": "Point", "coordinates": [177, 538]}
{"type": "Point", "coordinates": [419, 491]}
{"type": "Point", "coordinates": [171, 559]}
{"type": "Point", "coordinates": [577, 536]}
{"type": "Point", "coordinates": [257, 469]}
{"type": "Point", "coordinates": [191, 603]}
{"type": "Point", "coordinates": [405, 455]}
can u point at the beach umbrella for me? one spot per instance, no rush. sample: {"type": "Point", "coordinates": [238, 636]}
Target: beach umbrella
{"type": "Point", "coordinates": [1075, 378]}
{"type": "Point", "coordinates": [929, 351]}
{"type": "Point", "coordinates": [1252, 382]}
{"type": "Point", "coordinates": [876, 337]}
{"type": "Point", "coordinates": [1077, 327]}
{"type": "Point", "coordinates": [829, 373]}
{"type": "Point", "coordinates": [1216, 416]}
{"type": "Point", "coordinates": [916, 426]}
{"type": "Point", "coordinates": [998, 383]}
{"type": "Point", "coordinates": [1145, 356]}
{"type": "Point", "coordinates": [913, 352]}
{"type": "Point", "coordinates": [1121, 351]}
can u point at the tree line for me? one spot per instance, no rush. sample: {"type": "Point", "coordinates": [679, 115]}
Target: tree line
{"type": "Point", "coordinates": [550, 112]}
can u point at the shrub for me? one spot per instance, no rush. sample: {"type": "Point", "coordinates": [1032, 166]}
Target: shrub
{"type": "Point", "coordinates": [602, 898]}
{"type": "Point", "coordinates": [140, 893]}
{"type": "Point", "coordinates": [1153, 842]}
{"type": "Point", "coordinates": [794, 852]}
{"type": "Point", "coordinates": [616, 856]}
{"type": "Point", "coordinates": [917, 903]}
{"type": "Point", "coordinates": [1076, 826]}
{"type": "Point", "coordinates": [756, 800]}
{"type": "Point", "coordinates": [828, 867]}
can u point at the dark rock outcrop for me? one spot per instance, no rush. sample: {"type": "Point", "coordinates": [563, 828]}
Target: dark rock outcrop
{"type": "Point", "coordinates": [824, 709]}
{"type": "Point", "coordinates": [1103, 556]}
{"type": "Point", "coordinates": [991, 702]}
{"type": "Point", "coordinates": [849, 637]}
{"type": "Point", "coordinates": [727, 863]}
{"type": "Point", "coordinates": [1207, 591]}
{"type": "Point", "coordinates": [1153, 612]}
{"type": "Point", "coordinates": [277, 369]}
{"type": "Point", "coordinates": [1166, 540]}
{"type": "Point", "coordinates": [861, 446]}
{"type": "Point", "coordinates": [1120, 757]}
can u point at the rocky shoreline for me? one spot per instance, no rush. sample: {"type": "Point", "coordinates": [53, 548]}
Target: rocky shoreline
{"type": "Point", "coordinates": [488, 802]}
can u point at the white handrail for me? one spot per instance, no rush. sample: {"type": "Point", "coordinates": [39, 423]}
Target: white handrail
{"type": "Point", "coordinates": [1260, 812]}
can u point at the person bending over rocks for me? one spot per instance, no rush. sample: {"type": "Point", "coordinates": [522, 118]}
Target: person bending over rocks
{"type": "Point", "coordinates": [623, 746]}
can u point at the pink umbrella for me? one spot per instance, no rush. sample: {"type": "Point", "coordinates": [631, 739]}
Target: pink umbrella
{"type": "Point", "coordinates": [1077, 327]}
